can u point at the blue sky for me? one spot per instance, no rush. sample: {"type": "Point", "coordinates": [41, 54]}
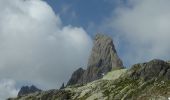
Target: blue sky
{"type": "Point", "coordinates": [88, 13]}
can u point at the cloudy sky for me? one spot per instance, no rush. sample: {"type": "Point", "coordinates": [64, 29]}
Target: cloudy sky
{"type": "Point", "coordinates": [43, 42]}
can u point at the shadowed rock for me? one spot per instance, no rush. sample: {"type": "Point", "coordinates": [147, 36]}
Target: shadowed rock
{"type": "Point", "coordinates": [76, 76]}
{"type": "Point", "coordinates": [62, 86]}
{"type": "Point", "coordinates": [27, 90]}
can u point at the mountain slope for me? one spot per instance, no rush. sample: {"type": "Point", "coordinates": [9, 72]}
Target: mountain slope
{"type": "Point", "coordinates": [144, 81]}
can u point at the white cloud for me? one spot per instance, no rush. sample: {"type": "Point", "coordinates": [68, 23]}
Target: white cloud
{"type": "Point", "coordinates": [36, 47]}
{"type": "Point", "coordinates": [7, 89]}
{"type": "Point", "coordinates": [144, 26]}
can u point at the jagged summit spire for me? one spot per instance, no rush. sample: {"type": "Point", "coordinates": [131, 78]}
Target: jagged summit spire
{"type": "Point", "coordinates": [101, 35]}
{"type": "Point", "coordinates": [103, 59]}
{"type": "Point", "coordinates": [104, 51]}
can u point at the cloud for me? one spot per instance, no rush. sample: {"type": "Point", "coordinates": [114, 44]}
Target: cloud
{"type": "Point", "coordinates": [7, 89]}
{"type": "Point", "coordinates": [143, 27]}
{"type": "Point", "coordinates": [35, 47]}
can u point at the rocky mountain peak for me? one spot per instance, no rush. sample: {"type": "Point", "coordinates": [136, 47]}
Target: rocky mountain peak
{"type": "Point", "coordinates": [104, 53]}
{"type": "Point", "coordinates": [103, 38]}
{"type": "Point", "coordinates": [27, 90]}
{"type": "Point", "coordinates": [103, 59]}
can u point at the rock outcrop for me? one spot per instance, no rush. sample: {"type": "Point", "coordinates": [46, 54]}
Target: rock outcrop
{"type": "Point", "coordinates": [27, 90]}
{"type": "Point", "coordinates": [104, 54]}
{"type": "Point", "coordinates": [153, 69]}
{"type": "Point", "coordinates": [103, 59]}
{"type": "Point", "coordinates": [76, 76]}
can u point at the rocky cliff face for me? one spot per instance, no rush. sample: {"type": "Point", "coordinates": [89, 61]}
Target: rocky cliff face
{"type": "Point", "coordinates": [104, 54]}
{"type": "Point", "coordinates": [153, 69]}
{"type": "Point", "coordinates": [76, 76]}
{"type": "Point", "coordinates": [103, 59]}
{"type": "Point", "coordinates": [27, 90]}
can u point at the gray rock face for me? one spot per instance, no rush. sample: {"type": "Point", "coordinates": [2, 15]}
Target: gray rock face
{"type": "Point", "coordinates": [153, 69]}
{"type": "Point", "coordinates": [103, 59]}
{"type": "Point", "coordinates": [76, 76]}
{"type": "Point", "coordinates": [27, 90]}
{"type": "Point", "coordinates": [104, 53]}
